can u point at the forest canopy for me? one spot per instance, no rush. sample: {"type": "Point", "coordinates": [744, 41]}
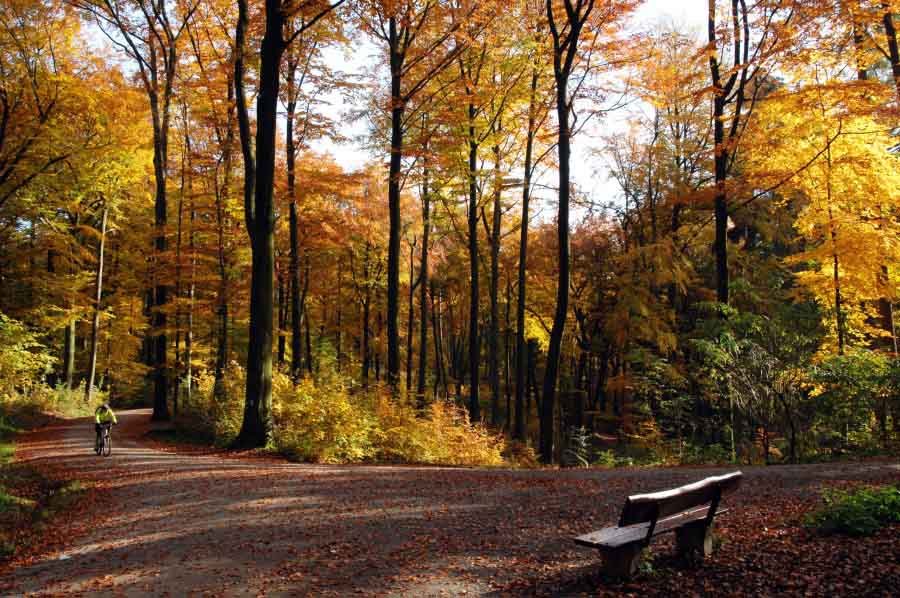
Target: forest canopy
{"type": "Point", "coordinates": [722, 287]}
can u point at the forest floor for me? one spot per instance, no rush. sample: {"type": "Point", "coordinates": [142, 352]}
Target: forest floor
{"type": "Point", "coordinates": [173, 523]}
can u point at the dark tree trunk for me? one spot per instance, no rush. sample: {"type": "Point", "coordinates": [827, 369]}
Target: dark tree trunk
{"type": "Point", "coordinates": [338, 332]}
{"type": "Point", "coordinates": [259, 212]}
{"type": "Point", "coordinates": [890, 33]}
{"type": "Point", "coordinates": [474, 348]}
{"type": "Point", "coordinates": [393, 269]}
{"type": "Point", "coordinates": [519, 427]}
{"type": "Point", "coordinates": [494, 335]}
{"type": "Point", "coordinates": [192, 288]}
{"type": "Point", "coordinates": [307, 319]}
{"type": "Point", "coordinates": [548, 398]}
{"type": "Point", "coordinates": [296, 307]}
{"type": "Point", "coordinates": [423, 290]}
{"type": "Point", "coordinates": [410, 318]}
{"type": "Point", "coordinates": [222, 298]}
{"type": "Point", "coordinates": [721, 205]}
{"type": "Point", "coordinates": [507, 356]}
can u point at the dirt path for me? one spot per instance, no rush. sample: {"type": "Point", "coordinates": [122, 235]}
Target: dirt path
{"type": "Point", "coordinates": [166, 523]}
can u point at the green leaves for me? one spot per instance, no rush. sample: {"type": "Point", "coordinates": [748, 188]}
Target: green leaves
{"type": "Point", "coordinates": [856, 513]}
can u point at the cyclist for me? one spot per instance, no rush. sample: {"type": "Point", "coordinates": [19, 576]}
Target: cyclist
{"type": "Point", "coordinates": [103, 416]}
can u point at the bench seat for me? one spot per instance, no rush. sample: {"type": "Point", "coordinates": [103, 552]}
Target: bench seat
{"type": "Point", "coordinates": [689, 511]}
{"type": "Point", "coordinates": [616, 536]}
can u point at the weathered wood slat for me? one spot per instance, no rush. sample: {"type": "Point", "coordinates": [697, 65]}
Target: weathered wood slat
{"type": "Point", "coordinates": [642, 508]}
{"type": "Point", "coordinates": [615, 536]}
{"type": "Point", "coordinates": [689, 511]}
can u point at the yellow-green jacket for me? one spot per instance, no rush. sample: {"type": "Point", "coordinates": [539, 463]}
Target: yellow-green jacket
{"type": "Point", "coordinates": [105, 416]}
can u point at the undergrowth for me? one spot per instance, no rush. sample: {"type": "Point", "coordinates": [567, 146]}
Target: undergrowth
{"type": "Point", "coordinates": [860, 512]}
{"type": "Point", "coordinates": [322, 421]}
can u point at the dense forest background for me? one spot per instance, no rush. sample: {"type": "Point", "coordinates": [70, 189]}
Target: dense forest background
{"type": "Point", "coordinates": [170, 238]}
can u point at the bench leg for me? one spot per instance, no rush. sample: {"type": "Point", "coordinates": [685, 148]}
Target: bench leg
{"type": "Point", "coordinates": [694, 539]}
{"type": "Point", "coordinates": [623, 561]}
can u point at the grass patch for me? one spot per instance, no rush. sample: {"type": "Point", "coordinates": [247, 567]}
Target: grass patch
{"type": "Point", "coordinates": [859, 512]}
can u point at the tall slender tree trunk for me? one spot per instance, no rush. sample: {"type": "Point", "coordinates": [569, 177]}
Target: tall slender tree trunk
{"type": "Point", "coordinates": [720, 207]}
{"type": "Point", "coordinates": [410, 317]}
{"type": "Point", "coordinates": [393, 269]}
{"type": "Point", "coordinates": [178, 267]}
{"type": "Point", "coordinates": [282, 320]}
{"type": "Point", "coordinates": [307, 319]}
{"type": "Point", "coordinates": [423, 281]}
{"type": "Point", "coordinates": [192, 289]}
{"type": "Point", "coordinates": [440, 377]}
{"type": "Point", "coordinates": [222, 293]}
{"type": "Point", "coordinates": [474, 338]}
{"type": "Point", "coordinates": [98, 296]}
{"type": "Point", "coordinates": [548, 394]}
{"type": "Point", "coordinates": [521, 351]}
{"type": "Point", "coordinates": [507, 356]}
{"type": "Point", "coordinates": [494, 335]}
{"type": "Point", "coordinates": [366, 351]}
{"type": "Point", "coordinates": [338, 324]}
{"type": "Point", "coordinates": [296, 308]}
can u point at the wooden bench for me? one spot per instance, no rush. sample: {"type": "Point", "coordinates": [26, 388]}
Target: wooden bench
{"type": "Point", "coordinates": [689, 511]}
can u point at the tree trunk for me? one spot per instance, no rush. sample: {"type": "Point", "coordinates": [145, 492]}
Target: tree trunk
{"type": "Point", "coordinates": [410, 318]}
{"type": "Point", "coordinates": [189, 335]}
{"type": "Point", "coordinates": [306, 318]}
{"type": "Point", "coordinates": [423, 291]}
{"type": "Point", "coordinates": [393, 269]}
{"type": "Point", "coordinates": [494, 335]}
{"type": "Point", "coordinates": [507, 356]}
{"type": "Point", "coordinates": [178, 268]}
{"type": "Point", "coordinates": [720, 245]}
{"type": "Point", "coordinates": [339, 355]}
{"type": "Point", "coordinates": [519, 427]}
{"type": "Point", "coordinates": [474, 345]}
{"type": "Point", "coordinates": [366, 352]}
{"type": "Point", "coordinates": [890, 33]}
{"type": "Point", "coordinates": [282, 320]}
{"type": "Point", "coordinates": [259, 212]}
{"type": "Point", "coordinates": [222, 294]}
{"type": "Point", "coordinates": [95, 324]}
{"type": "Point", "coordinates": [548, 398]}
{"type": "Point", "coordinates": [296, 308]}
{"type": "Point", "coordinates": [69, 355]}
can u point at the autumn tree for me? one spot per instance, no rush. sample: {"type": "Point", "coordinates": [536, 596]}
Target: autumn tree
{"type": "Point", "coordinates": [578, 30]}
{"type": "Point", "coordinates": [259, 184]}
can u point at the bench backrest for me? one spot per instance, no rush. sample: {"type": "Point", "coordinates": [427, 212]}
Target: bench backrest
{"type": "Point", "coordinates": [642, 508]}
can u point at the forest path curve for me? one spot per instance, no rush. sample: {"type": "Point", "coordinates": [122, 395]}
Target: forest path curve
{"type": "Point", "coordinates": [167, 523]}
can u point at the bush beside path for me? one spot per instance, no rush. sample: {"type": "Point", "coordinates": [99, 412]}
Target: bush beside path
{"type": "Point", "coordinates": [168, 522]}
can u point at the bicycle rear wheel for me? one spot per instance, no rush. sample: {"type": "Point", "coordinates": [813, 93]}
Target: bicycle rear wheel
{"type": "Point", "coordinates": [98, 445]}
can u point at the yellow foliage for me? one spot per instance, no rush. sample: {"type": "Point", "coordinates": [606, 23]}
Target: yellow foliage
{"type": "Point", "coordinates": [323, 422]}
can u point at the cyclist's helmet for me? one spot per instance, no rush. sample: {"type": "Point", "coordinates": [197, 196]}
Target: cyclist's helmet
{"type": "Point", "coordinates": [105, 406]}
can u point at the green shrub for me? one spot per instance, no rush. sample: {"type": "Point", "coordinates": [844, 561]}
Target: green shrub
{"type": "Point", "coordinates": [694, 454]}
{"type": "Point", "coordinates": [212, 414]}
{"type": "Point", "coordinates": [857, 513]}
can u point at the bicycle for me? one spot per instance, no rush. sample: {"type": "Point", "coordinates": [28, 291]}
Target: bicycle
{"type": "Point", "coordinates": [103, 446]}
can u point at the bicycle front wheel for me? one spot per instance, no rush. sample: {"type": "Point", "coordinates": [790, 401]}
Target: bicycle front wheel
{"type": "Point", "coordinates": [107, 445]}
